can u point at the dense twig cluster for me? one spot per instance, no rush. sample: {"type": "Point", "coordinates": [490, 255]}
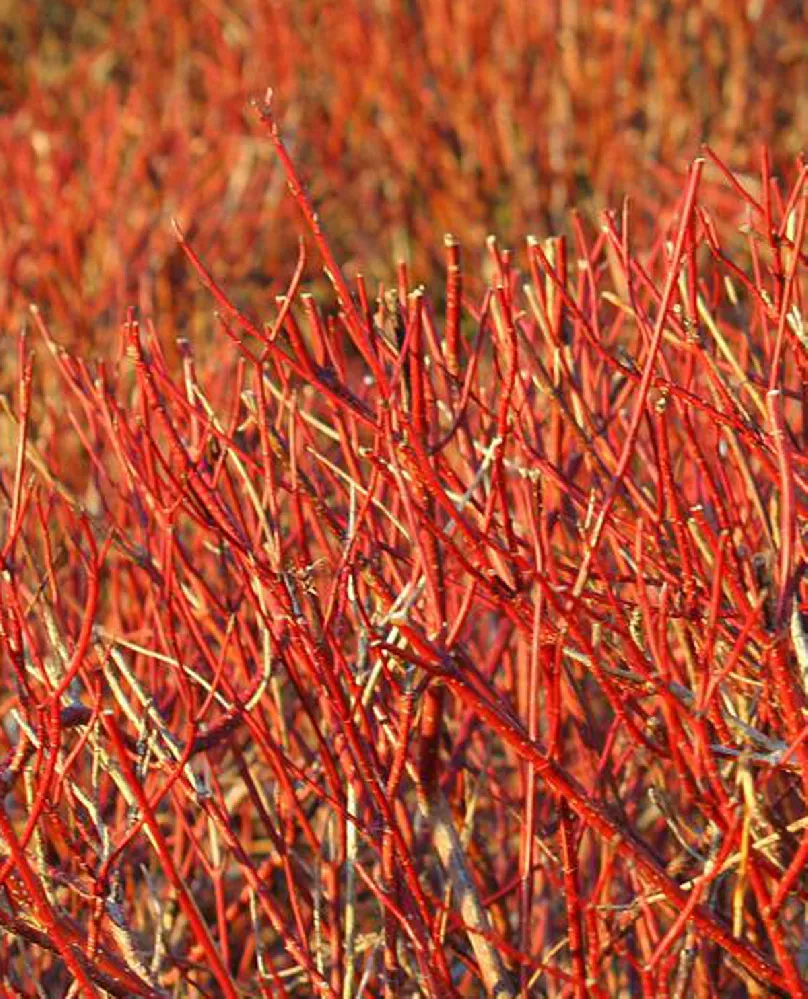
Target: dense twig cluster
{"type": "Point", "coordinates": [417, 649]}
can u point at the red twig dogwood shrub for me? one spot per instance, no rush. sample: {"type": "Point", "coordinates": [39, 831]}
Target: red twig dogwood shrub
{"type": "Point", "coordinates": [428, 641]}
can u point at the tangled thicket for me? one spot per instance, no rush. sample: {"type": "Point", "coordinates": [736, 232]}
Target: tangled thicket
{"type": "Point", "coordinates": [365, 638]}
{"type": "Point", "coordinates": [415, 651]}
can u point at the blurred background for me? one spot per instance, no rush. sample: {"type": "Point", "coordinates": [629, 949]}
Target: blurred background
{"type": "Point", "coordinates": [407, 118]}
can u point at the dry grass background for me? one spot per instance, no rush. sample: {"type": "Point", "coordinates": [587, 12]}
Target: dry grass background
{"type": "Point", "coordinates": [409, 119]}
